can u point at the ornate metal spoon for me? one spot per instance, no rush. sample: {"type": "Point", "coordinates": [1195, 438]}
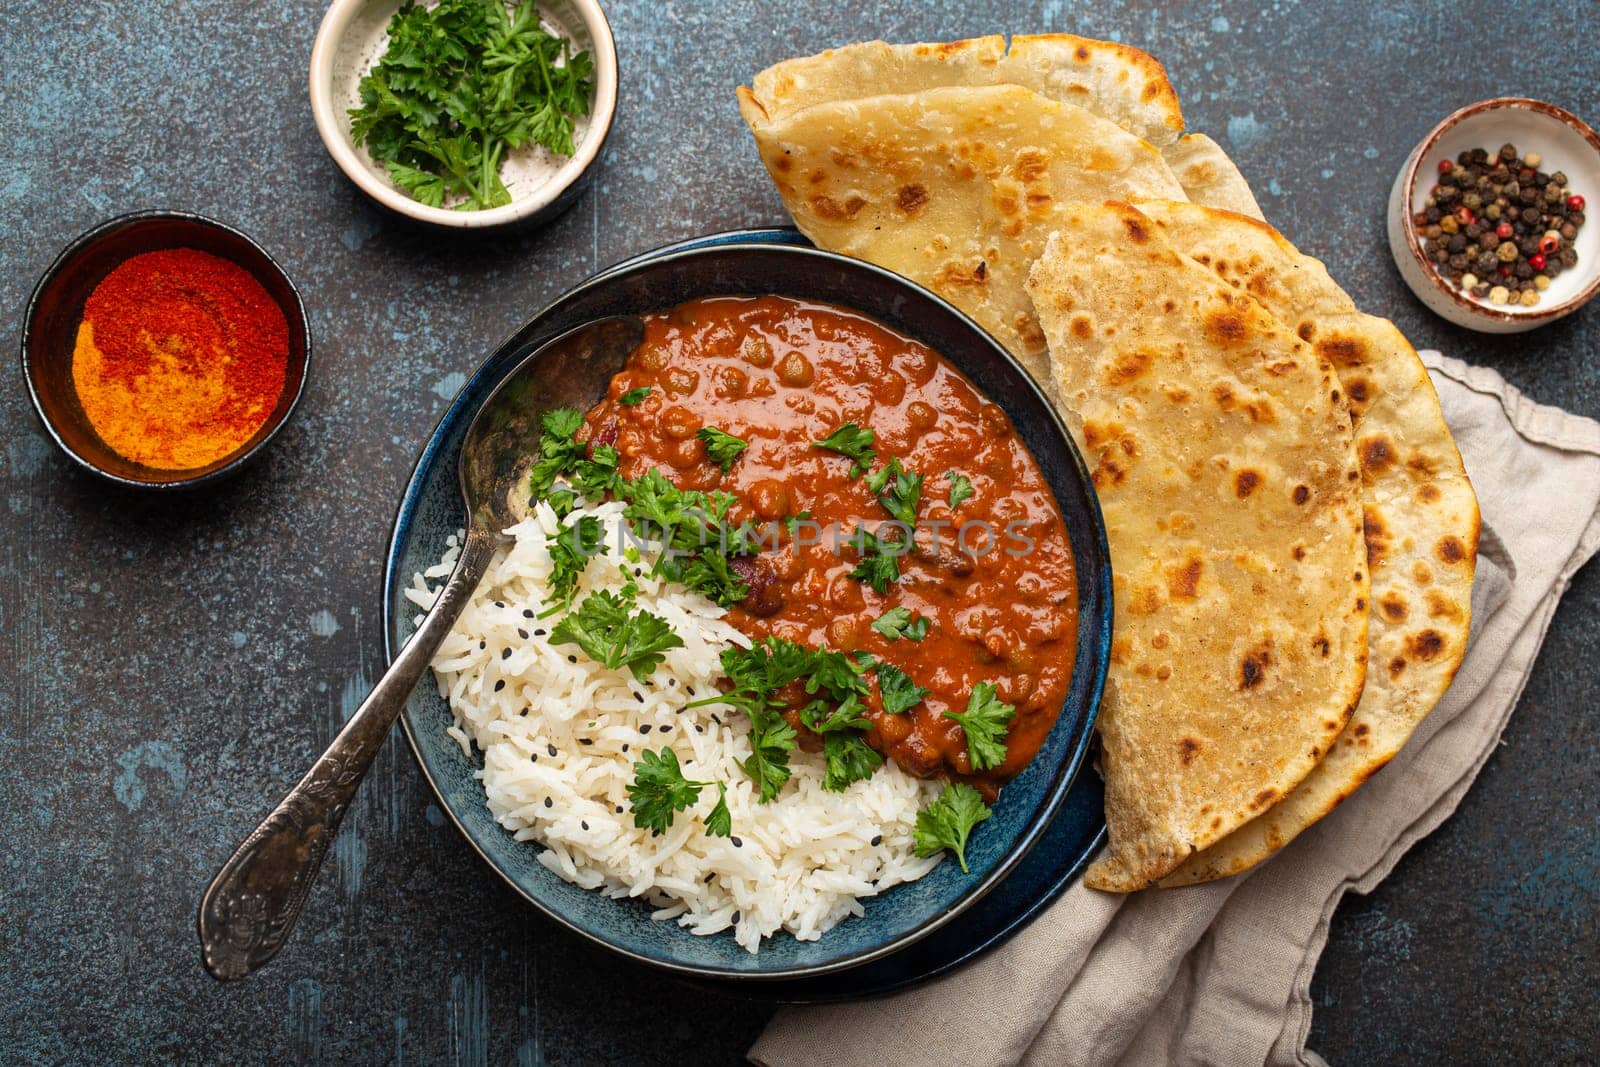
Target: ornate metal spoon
{"type": "Point", "coordinates": [251, 905]}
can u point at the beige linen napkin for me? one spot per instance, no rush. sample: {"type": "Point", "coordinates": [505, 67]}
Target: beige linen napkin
{"type": "Point", "coordinates": [1221, 973]}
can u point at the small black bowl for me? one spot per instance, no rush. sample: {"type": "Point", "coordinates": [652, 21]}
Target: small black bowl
{"type": "Point", "coordinates": [50, 327]}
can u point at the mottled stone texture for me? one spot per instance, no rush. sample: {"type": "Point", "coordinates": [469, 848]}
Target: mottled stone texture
{"type": "Point", "coordinates": [173, 664]}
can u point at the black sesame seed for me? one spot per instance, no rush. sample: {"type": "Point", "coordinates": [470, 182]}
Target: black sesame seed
{"type": "Point", "coordinates": [699, 729]}
{"type": "Point", "coordinates": [499, 685]}
{"type": "Point", "coordinates": [736, 842]}
{"type": "Point", "coordinates": [645, 728]}
{"type": "Point", "coordinates": [572, 659]}
{"type": "Point", "coordinates": [550, 749]}
{"type": "Point", "coordinates": [689, 689]}
{"type": "Point", "coordinates": [710, 876]}
{"type": "Point", "coordinates": [672, 681]}
{"type": "Point", "coordinates": [499, 603]}
{"type": "Point", "coordinates": [638, 696]}
{"type": "Point", "coordinates": [667, 727]}
{"type": "Point", "coordinates": [505, 653]}
{"type": "Point", "coordinates": [482, 645]}
{"type": "Point", "coordinates": [585, 740]}
{"type": "Point", "coordinates": [735, 916]}
{"type": "Point", "coordinates": [624, 746]}
{"type": "Point", "coordinates": [637, 571]}
{"type": "Point", "coordinates": [876, 841]}
{"type": "Point", "coordinates": [538, 633]}
{"type": "Point", "coordinates": [715, 719]}
{"type": "Point", "coordinates": [524, 712]}
{"type": "Point", "coordinates": [534, 757]}
{"type": "Point", "coordinates": [584, 823]}
{"type": "Point", "coordinates": [522, 633]}
{"type": "Point", "coordinates": [549, 803]}
{"type": "Point", "coordinates": [527, 613]}
{"type": "Point", "coordinates": [619, 809]}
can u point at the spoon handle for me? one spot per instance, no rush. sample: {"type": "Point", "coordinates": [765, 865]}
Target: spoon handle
{"type": "Point", "coordinates": [251, 905]}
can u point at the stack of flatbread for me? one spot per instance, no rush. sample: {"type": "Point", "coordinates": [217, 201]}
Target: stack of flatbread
{"type": "Point", "coordinates": [1292, 534]}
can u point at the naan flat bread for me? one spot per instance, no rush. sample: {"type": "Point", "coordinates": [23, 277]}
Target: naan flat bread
{"type": "Point", "coordinates": [1112, 80]}
{"type": "Point", "coordinates": [1420, 515]}
{"type": "Point", "coordinates": [1209, 177]}
{"type": "Point", "coordinates": [956, 187]}
{"type": "Point", "coordinates": [1225, 464]}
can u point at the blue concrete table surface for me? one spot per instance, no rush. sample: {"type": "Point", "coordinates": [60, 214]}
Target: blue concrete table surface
{"type": "Point", "coordinates": [171, 665]}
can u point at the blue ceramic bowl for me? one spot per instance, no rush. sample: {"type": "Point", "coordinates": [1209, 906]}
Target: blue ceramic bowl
{"type": "Point", "coordinates": [431, 511]}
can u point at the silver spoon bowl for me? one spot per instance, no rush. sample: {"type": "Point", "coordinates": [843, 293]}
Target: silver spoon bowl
{"type": "Point", "coordinates": [250, 907]}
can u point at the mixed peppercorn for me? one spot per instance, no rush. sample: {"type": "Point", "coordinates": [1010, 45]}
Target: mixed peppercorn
{"type": "Point", "coordinates": [1498, 226]}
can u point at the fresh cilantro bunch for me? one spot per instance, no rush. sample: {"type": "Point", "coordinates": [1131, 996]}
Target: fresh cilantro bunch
{"type": "Point", "coordinates": [462, 84]}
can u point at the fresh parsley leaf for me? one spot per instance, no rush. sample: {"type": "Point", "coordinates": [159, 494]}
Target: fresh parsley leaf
{"type": "Point", "coordinates": [851, 440]}
{"type": "Point", "coordinates": [960, 488]}
{"type": "Point", "coordinates": [719, 823]}
{"type": "Point", "coordinates": [985, 724]}
{"type": "Point", "coordinates": [821, 717]}
{"type": "Point", "coordinates": [721, 448]}
{"type": "Point", "coordinates": [694, 528]}
{"type": "Point", "coordinates": [634, 397]}
{"type": "Point", "coordinates": [771, 741]}
{"type": "Point", "coordinates": [659, 790]}
{"type": "Point", "coordinates": [849, 758]}
{"type": "Point", "coordinates": [898, 622]}
{"type": "Point", "coordinates": [947, 822]}
{"type": "Point", "coordinates": [570, 553]}
{"type": "Point", "coordinates": [879, 565]}
{"type": "Point", "coordinates": [792, 522]}
{"type": "Point", "coordinates": [603, 628]}
{"type": "Point", "coordinates": [898, 491]}
{"type": "Point", "coordinates": [900, 693]}
{"type": "Point", "coordinates": [460, 85]}
{"type": "Point", "coordinates": [760, 672]}
{"type": "Point", "coordinates": [559, 450]}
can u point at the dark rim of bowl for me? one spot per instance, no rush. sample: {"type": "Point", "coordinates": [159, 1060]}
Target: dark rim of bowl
{"type": "Point", "coordinates": [71, 252]}
{"type": "Point", "coordinates": [1414, 239]}
{"type": "Point", "coordinates": [1065, 774]}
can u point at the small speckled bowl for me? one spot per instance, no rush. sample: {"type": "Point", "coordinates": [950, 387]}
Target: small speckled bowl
{"type": "Point", "coordinates": [50, 327]}
{"type": "Point", "coordinates": [1565, 142]}
{"type": "Point", "coordinates": [354, 35]}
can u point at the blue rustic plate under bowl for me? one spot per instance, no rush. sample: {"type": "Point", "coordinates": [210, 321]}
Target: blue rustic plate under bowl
{"type": "Point", "coordinates": [431, 511]}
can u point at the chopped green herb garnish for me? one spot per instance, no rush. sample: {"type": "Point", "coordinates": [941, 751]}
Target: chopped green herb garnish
{"type": "Point", "coordinates": [570, 552]}
{"type": "Point", "coordinates": [898, 491]}
{"type": "Point", "coordinates": [985, 724]}
{"type": "Point", "coordinates": [634, 397]}
{"type": "Point", "coordinates": [659, 790]}
{"type": "Point", "coordinates": [879, 566]}
{"type": "Point", "coordinates": [900, 693]}
{"type": "Point", "coordinates": [559, 449]}
{"type": "Point", "coordinates": [851, 440]}
{"type": "Point", "coordinates": [694, 528]}
{"type": "Point", "coordinates": [960, 488]}
{"type": "Point", "coordinates": [898, 622]}
{"type": "Point", "coordinates": [721, 448]}
{"type": "Point", "coordinates": [759, 672]}
{"type": "Point", "coordinates": [792, 522]}
{"type": "Point", "coordinates": [603, 628]}
{"type": "Point", "coordinates": [461, 84]}
{"type": "Point", "coordinates": [719, 822]}
{"type": "Point", "coordinates": [821, 717]}
{"type": "Point", "coordinates": [947, 822]}
{"type": "Point", "coordinates": [849, 757]}
{"type": "Point", "coordinates": [771, 741]}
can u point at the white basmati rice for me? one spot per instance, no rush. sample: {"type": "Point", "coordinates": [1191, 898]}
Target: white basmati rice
{"type": "Point", "coordinates": [559, 739]}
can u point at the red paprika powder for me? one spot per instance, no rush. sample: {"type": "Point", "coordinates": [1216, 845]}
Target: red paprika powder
{"type": "Point", "coordinates": [180, 358]}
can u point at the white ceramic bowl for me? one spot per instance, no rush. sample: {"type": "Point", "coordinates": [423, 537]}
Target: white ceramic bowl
{"type": "Point", "coordinates": [354, 35]}
{"type": "Point", "coordinates": [1565, 143]}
